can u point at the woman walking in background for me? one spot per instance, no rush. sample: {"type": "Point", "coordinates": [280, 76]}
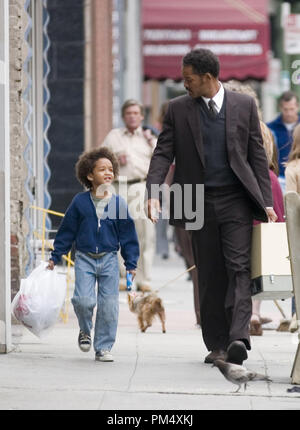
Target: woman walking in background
{"type": "Point", "coordinates": [292, 176]}
{"type": "Point", "coordinates": [268, 141]}
{"type": "Point", "coordinates": [292, 171]}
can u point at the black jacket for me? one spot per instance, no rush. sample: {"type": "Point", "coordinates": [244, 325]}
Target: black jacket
{"type": "Point", "coordinates": [181, 141]}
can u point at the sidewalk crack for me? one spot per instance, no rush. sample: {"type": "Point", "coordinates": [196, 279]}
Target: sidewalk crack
{"type": "Point", "coordinates": [135, 364]}
{"type": "Point", "coordinates": [102, 401]}
{"type": "Point", "coordinates": [266, 372]}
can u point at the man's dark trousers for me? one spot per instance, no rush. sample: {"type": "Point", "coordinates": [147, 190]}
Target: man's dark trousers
{"type": "Point", "coordinates": [222, 250]}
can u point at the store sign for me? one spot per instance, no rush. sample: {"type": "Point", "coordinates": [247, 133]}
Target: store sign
{"type": "Point", "coordinates": [219, 41]}
{"type": "Point", "coordinates": [243, 52]}
{"type": "Point", "coordinates": [292, 34]}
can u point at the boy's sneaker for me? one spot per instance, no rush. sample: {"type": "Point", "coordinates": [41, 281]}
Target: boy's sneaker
{"type": "Point", "coordinates": [104, 355]}
{"type": "Point", "coordinates": [84, 341]}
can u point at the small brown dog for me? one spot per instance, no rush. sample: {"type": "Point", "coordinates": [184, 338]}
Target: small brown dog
{"type": "Point", "coordinates": [146, 307]}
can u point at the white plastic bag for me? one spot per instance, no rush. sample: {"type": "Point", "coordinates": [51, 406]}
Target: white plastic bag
{"type": "Point", "coordinates": [40, 299]}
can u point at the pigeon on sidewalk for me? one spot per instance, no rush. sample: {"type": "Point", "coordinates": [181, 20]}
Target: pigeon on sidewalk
{"type": "Point", "coordinates": [238, 375]}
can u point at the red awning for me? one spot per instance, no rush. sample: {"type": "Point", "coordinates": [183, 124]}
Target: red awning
{"type": "Point", "coordinates": [236, 30]}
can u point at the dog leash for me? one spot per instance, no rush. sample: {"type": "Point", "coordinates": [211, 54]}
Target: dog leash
{"type": "Point", "coordinates": [175, 279]}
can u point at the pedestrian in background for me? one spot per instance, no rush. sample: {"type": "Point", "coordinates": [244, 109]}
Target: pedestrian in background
{"type": "Point", "coordinates": [292, 175]}
{"type": "Point", "coordinates": [282, 127]}
{"type": "Point", "coordinates": [292, 171]}
{"type": "Point", "coordinates": [94, 223]}
{"type": "Point", "coordinates": [257, 320]}
{"type": "Point", "coordinates": [214, 136]}
{"type": "Point", "coordinates": [133, 147]}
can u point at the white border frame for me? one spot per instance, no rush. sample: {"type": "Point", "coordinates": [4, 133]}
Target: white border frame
{"type": "Point", "coordinates": [5, 266]}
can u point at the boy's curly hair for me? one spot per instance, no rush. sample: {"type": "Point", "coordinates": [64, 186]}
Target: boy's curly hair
{"type": "Point", "coordinates": [86, 163]}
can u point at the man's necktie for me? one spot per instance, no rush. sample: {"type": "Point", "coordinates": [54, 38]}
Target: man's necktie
{"type": "Point", "coordinates": [212, 108]}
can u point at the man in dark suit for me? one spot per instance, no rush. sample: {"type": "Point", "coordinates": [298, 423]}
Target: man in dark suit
{"type": "Point", "coordinates": [214, 137]}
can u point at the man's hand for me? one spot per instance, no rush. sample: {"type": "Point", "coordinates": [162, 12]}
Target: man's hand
{"type": "Point", "coordinates": [147, 134]}
{"type": "Point", "coordinates": [149, 137]}
{"type": "Point", "coordinates": [122, 158]}
{"type": "Point", "coordinates": [50, 265]}
{"type": "Point", "coordinates": [153, 210]}
{"type": "Point", "coordinates": [271, 215]}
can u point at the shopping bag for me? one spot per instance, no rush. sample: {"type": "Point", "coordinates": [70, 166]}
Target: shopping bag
{"type": "Point", "coordinates": [270, 264]}
{"type": "Point", "coordinates": [40, 299]}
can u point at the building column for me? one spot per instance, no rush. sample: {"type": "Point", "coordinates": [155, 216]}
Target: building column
{"type": "Point", "coordinates": [294, 59]}
{"type": "Point", "coordinates": [98, 71]}
{"type": "Point", "coordinates": [134, 69]}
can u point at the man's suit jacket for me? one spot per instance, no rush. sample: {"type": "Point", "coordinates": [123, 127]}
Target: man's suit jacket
{"type": "Point", "coordinates": [181, 141]}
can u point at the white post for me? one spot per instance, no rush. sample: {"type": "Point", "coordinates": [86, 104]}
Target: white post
{"type": "Point", "coordinates": [5, 287]}
{"type": "Point", "coordinates": [38, 111]}
{"type": "Point", "coordinates": [133, 59]}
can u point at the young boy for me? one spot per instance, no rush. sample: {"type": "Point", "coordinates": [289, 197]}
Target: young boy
{"type": "Point", "coordinates": [99, 223]}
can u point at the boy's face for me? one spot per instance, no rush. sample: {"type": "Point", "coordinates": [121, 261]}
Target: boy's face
{"type": "Point", "coordinates": [103, 173]}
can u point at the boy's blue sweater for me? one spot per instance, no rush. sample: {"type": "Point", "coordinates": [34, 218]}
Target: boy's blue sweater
{"type": "Point", "coordinates": [81, 225]}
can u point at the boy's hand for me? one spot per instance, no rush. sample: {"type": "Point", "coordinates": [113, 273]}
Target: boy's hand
{"type": "Point", "coordinates": [133, 273]}
{"type": "Point", "coordinates": [50, 265]}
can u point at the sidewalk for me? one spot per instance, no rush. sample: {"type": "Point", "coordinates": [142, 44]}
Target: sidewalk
{"type": "Point", "coordinates": [152, 370]}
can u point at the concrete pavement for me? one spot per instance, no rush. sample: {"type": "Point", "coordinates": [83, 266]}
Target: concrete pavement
{"type": "Point", "coordinates": [152, 370]}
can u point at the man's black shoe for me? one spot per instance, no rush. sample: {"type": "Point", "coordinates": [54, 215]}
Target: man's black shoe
{"type": "Point", "coordinates": [216, 354]}
{"type": "Point", "coordinates": [236, 352]}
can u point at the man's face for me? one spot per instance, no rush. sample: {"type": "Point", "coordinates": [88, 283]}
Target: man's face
{"type": "Point", "coordinates": [133, 117]}
{"type": "Point", "coordinates": [289, 111]}
{"type": "Point", "coordinates": [195, 84]}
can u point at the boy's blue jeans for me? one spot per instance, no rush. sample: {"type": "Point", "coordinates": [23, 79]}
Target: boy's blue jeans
{"type": "Point", "coordinates": [105, 272]}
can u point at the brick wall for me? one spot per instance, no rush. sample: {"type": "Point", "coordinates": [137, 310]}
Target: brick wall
{"type": "Point", "coordinates": [18, 141]}
{"type": "Point", "coordinates": [102, 70]}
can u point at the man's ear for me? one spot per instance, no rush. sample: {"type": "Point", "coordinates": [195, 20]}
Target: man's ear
{"type": "Point", "coordinates": [208, 76]}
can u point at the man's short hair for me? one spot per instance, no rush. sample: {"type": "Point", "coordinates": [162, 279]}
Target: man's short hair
{"type": "Point", "coordinates": [203, 61]}
{"type": "Point", "coordinates": [287, 96]}
{"type": "Point", "coordinates": [132, 102]}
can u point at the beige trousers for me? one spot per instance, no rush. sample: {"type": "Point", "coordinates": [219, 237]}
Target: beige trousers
{"type": "Point", "coordinates": [134, 196]}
